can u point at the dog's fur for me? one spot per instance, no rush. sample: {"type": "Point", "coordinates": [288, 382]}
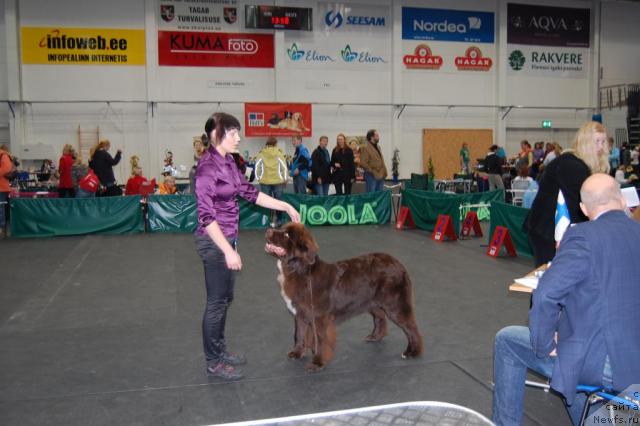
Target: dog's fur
{"type": "Point", "coordinates": [292, 121]}
{"type": "Point", "coordinates": [321, 294]}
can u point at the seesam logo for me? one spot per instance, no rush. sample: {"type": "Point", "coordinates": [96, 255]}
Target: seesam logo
{"type": "Point", "coordinates": [473, 61]}
{"type": "Point", "coordinates": [296, 54]}
{"type": "Point", "coordinates": [422, 58]}
{"type": "Point", "coordinates": [350, 56]}
{"type": "Point", "coordinates": [335, 19]}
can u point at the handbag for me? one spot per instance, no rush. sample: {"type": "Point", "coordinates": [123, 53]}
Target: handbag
{"type": "Point", "coordinates": [89, 182]}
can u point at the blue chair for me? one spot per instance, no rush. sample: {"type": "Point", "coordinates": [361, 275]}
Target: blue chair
{"type": "Point", "coordinates": [596, 394]}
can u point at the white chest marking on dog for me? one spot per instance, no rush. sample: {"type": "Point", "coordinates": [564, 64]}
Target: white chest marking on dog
{"type": "Point", "coordinates": [284, 295]}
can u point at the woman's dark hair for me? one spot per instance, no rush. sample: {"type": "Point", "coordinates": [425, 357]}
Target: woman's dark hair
{"type": "Point", "coordinates": [205, 140]}
{"type": "Point", "coordinates": [220, 122]}
{"type": "Point", "coordinates": [272, 141]}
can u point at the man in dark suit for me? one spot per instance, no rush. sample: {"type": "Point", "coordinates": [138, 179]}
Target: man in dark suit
{"type": "Point", "coordinates": [583, 326]}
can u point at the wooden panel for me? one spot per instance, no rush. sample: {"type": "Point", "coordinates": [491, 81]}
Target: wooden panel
{"type": "Point", "coordinates": [444, 147]}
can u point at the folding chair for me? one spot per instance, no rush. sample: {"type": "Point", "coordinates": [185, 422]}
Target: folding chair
{"type": "Point", "coordinates": [596, 394]}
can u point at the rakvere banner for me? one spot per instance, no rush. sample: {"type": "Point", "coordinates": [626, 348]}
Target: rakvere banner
{"type": "Point", "coordinates": [266, 119]}
{"type": "Point", "coordinates": [547, 61]}
{"type": "Point", "coordinates": [548, 26]}
{"type": "Point", "coordinates": [447, 25]}
{"type": "Point", "coordinates": [198, 15]}
{"type": "Point", "coordinates": [205, 49]}
{"type": "Point", "coordinates": [82, 46]}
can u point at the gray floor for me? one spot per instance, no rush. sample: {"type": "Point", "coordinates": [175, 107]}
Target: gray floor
{"type": "Point", "coordinates": [105, 330]}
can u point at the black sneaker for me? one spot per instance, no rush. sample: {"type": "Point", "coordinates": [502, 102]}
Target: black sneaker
{"type": "Point", "coordinates": [233, 359]}
{"type": "Point", "coordinates": [224, 371]}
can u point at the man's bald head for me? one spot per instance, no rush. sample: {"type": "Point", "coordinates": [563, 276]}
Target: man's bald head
{"type": "Point", "coordinates": [599, 193]}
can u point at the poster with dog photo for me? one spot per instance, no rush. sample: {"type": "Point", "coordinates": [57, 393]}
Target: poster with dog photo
{"type": "Point", "coordinates": [271, 119]}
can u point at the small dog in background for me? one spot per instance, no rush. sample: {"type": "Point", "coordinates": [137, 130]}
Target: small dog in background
{"type": "Point", "coordinates": [320, 295]}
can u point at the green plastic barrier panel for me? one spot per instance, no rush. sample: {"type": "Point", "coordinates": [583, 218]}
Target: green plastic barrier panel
{"type": "Point", "coordinates": [179, 213]}
{"type": "Point", "coordinates": [50, 217]}
{"type": "Point", "coordinates": [425, 206]}
{"type": "Point", "coordinates": [511, 217]}
{"type": "Point", "coordinates": [361, 209]}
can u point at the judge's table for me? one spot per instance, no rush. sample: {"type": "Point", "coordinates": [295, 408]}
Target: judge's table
{"type": "Point", "coordinates": [529, 282]}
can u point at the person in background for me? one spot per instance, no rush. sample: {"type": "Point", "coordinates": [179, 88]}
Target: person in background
{"type": "Point", "coordinates": [567, 173]}
{"type": "Point", "coordinates": [525, 156]}
{"type": "Point", "coordinates": [372, 161]}
{"type": "Point", "coordinates": [168, 187]}
{"type": "Point", "coordinates": [343, 164]}
{"type": "Point", "coordinates": [625, 154]}
{"type": "Point", "coordinates": [300, 165]}
{"type": "Point", "coordinates": [554, 150]}
{"type": "Point", "coordinates": [614, 155]}
{"type": "Point", "coordinates": [271, 172]}
{"type": "Point", "coordinates": [493, 167]}
{"type": "Point", "coordinates": [136, 179]}
{"type": "Point", "coordinates": [102, 164]}
{"type": "Point", "coordinates": [635, 159]}
{"type": "Point", "coordinates": [78, 171]}
{"type": "Point", "coordinates": [240, 163]}
{"type": "Point", "coordinates": [465, 158]}
{"type": "Point", "coordinates": [6, 166]}
{"type": "Point", "coordinates": [577, 331]}
{"type": "Point", "coordinates": [321, 167]}
{"type": "Point", "coordinates": [65, 171]}
{"type": "Point", "coordinates": [538, 158]}
{"type": "Point", "coordinates": [167, 168]}
{"type": "Point", "coordinates": [218, 184]}
{"type": "Point", "coordinates": [199, 145]}
{"type": "Point", "coordinates": [502, 154]}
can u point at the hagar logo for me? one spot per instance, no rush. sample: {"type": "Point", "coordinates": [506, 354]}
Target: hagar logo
{"type": "Point", "coordinates": [333, 19]}
{"type": "Point", "coordinates": [473, 60]}
{"type": "Point", "coordinates": [422, 58]}
{"type": "Point", "coordinates": [516, 60]}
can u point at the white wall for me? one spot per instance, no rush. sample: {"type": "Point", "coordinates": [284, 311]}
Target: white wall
{"type": "Point", "coordinates": [620, 52]}
{"type": "Point", "coordinates": [171, 104]}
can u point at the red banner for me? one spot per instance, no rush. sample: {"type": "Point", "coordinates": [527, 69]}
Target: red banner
{"type": "Point", "coordinates": [277, 119]}
{"type": "Point", "coordinates": [201, 49]}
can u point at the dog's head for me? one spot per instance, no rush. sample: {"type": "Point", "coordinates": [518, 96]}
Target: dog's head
{"type": "Point", "coordinates": [297, 116]}
{"type": "Point", "coordinates": [294, 244]}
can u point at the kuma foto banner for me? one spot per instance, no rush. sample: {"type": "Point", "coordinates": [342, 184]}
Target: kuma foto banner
{"type": "Point", "coordinates": [82, 46]}
{"type": "Point", "coordinates": [372, 208]}
{"type": "Point", "coordinates": [271, 119]}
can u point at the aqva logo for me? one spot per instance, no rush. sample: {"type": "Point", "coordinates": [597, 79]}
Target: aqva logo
{"type": "Point", "coordinates": [338, 215]}
{"type": "Point", "coordinates": [296, 54]}
{"type": "Point", "coordinates": [349, 56]}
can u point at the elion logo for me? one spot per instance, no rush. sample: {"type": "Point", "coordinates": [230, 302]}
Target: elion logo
{"type": "Point", "coordinates": [474, 23]}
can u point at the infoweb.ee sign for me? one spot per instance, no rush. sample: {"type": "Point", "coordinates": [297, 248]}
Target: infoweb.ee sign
{"type": "Point", "coordinates": [335, 19]}
{"type": "Point", "coordinates": [447, 25]}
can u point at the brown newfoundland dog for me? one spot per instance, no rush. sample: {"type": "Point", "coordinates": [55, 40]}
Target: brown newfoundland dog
{"type": "Point", "coordinates": [321, 295]}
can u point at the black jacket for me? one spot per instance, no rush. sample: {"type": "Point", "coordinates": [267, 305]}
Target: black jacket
{"type": "Point", "coordinates": [493, 164]}
{"type": "Point", "coordinates": [567, 173]}
{"type": "Point", "coordinates": [102, 164]}
{"type": "Point", "coordinates": [347, 169]}
{"type": "Point", "coordinates": [320, 167]}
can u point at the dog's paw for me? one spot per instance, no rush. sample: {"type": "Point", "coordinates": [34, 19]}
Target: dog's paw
{"type": "Point", "coordinates": [313, 368]}
{"type": "Point", "coordinates": [295, 354]}
{"type": "Point", "coordinates": [373, 338]}
{"type": "Point", "coordinates": [410, 353]}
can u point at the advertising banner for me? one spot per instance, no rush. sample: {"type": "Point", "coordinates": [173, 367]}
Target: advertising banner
{"type": "Point", "coordinates": [198, 15]}
{"type": "Point", "coordinates": [82, 46]}
{"type": "Point", "coordinates": [340, 18]}
{"type": "Point", "coordinates": [449, 57]}
{"type": "Point", "coordinates": [373, 208]}
{"type": "Point", "coordinates": [447, 25]}
{"type": "Point", "coordinates": [204, 49]}
{"type": "Point", "coordinates": [267, 119]}
{"type": "Point", "coordinates": [547, 61]}
{"type": "Point", "coordinates": [548, 26]}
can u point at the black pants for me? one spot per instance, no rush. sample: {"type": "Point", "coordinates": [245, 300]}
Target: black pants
{"type": "Point", "coordinates": [543, 249]}
{"type": "Point", "coordinates": [339, 183]}
{"type": "Point", "coordinates": [219, 281]}
{"type": "Point", "coordinates": [66, 193]}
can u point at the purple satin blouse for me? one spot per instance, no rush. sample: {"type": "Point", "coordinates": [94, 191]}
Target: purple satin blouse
{"type": "Point", "coordinates": [218, 183]}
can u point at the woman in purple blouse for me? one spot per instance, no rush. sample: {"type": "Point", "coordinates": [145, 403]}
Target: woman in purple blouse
{"type": "Point", "coordinates": [218, 183]}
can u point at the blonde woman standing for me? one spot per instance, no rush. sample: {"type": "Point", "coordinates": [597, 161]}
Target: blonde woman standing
{"type": "Point", "coordinates": [65, 169]}
{"type": "Point", "coordinates": [567, 173]}
{"type": "Point", "coordinates": [102, 164]}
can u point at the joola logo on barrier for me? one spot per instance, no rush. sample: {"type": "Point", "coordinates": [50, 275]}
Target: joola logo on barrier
{"type": "Point", "coordinates": [338, 215]}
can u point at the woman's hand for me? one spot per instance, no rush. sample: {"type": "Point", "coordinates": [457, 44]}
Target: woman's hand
{"type": "Point", "coordinates": [233, 260]}
{"type": "Point", "coordinates": [293, 214]}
